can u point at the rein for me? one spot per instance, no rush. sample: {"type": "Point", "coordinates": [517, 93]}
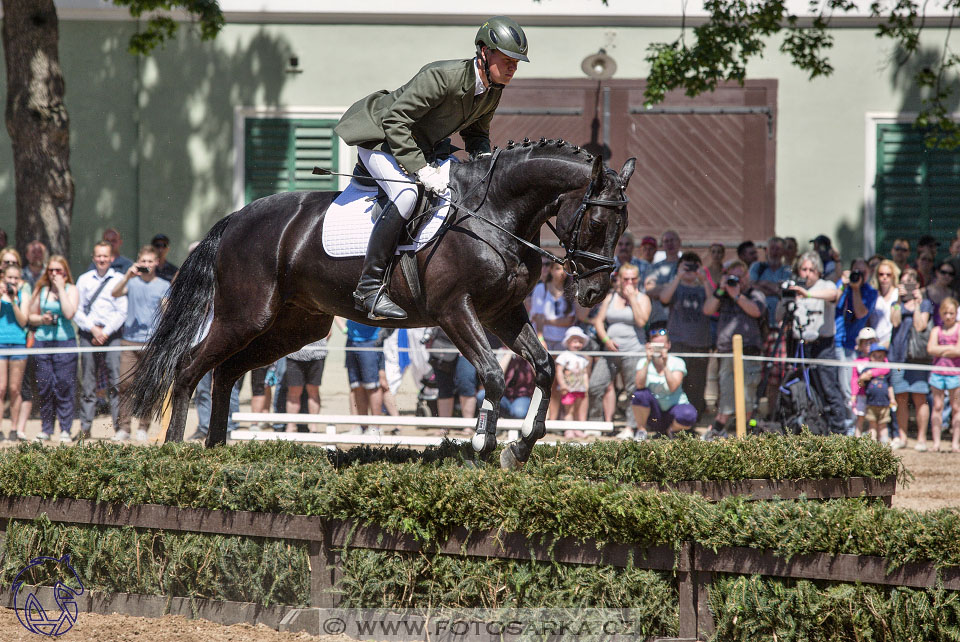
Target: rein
{"type": "Point", "coordinates": [572, 248]}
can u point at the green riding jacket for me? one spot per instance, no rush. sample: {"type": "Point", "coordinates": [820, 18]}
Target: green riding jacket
{"type": "Point", "coordinates": [410, 121]}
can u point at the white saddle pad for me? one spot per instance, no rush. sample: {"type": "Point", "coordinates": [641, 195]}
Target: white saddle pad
{"type": "Point", "coordinates": [348, 222]}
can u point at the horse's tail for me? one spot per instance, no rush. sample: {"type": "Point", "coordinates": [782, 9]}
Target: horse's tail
{"type": "Point", "coordinates": [178, 327]}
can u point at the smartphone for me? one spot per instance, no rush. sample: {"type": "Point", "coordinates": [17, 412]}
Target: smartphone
{"type": "Point", "coordinates": [910, 288]}
{"type": "Point", "coordinates": [142, 270]}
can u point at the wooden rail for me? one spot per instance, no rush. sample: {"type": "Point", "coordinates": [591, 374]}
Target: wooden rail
{"type": "Point", "coordinates": [693, 567]}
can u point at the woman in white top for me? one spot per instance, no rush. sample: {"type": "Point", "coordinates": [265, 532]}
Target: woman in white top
{"type": "Point", "coordinates": [887, 282]}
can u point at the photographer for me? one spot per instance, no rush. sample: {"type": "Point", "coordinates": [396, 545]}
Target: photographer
{"type": "Point", "coordinates": [813, 301]}
{"type": "Point", "coordinates": [857, 300]}
{"type": "Point", "coordinates": [144, 292]}
{"type": "Point", "coordinates": [689, 328]}
{"type": "Point", "coordinates": [741, 307]}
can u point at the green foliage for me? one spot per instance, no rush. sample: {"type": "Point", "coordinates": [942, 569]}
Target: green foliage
{"type": "Point", "coordinates": [160, 27]}
{"type": "Point", "coordinates": [736, 31]}
{"type": "Point", "coordinates": [244, 569]}
{"type": "Point", "coordinates": [754, 608]}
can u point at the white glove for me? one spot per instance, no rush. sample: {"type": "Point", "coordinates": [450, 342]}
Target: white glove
{"type": "Point", "coordinates": [432, 179]}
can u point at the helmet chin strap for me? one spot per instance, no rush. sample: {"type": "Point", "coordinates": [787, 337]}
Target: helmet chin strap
{"type": "Point", "coordinates": [486, 69]}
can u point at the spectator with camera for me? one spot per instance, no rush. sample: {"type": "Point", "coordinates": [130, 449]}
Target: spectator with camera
{"type": "Point", "coordinates": [52, 306]}
{"type": "Point", "coordinates": [659, 402]}
{"type": "Point", "coordinates": [619, 325]}
{"type": "Point", "coordinates": [145, 292]}
{"type": "Point", "coordinates": [99, 320]}
{"type": "Point", "coordinates": [741, 308]}
{"type": "Point", "coordinates": [688, 327]}
{"type": "Point", "coordinates": [13, 334]}
{"type": "Point", "coordinates": [911, 321]}
{"type": "Point", "coordinates": [856, 303]}
{"type": "Point", "coordinates": [812, 304]}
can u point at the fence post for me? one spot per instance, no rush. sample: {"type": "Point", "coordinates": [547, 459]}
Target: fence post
{"type": "Point", "coordinates": [738, 398]}
{"type": "Point", "coordinates": [324, 563]}
{"type": "Point", "coordinates": [687, 592]}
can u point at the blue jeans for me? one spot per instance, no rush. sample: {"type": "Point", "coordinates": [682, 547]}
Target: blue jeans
{"type": "Point", "coordinates": [513, 409]}
{"type": "Point", "coordinates": [203, 401]}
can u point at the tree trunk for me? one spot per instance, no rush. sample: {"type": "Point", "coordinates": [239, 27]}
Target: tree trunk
{"type": "Point", "coordinates": [38, 124]}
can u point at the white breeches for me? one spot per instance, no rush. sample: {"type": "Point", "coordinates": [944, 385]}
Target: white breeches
{"type": "Point", "coordinates": [382, 165]}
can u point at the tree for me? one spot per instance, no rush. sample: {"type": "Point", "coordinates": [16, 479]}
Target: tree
{"type": "Point", "coordinates": [737, 30]}
{"type": "Point", "coordinates": [36, 117]}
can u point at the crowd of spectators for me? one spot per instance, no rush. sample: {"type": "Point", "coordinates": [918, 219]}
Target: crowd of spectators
{"type": "Point", "coordinates": [664, 300]}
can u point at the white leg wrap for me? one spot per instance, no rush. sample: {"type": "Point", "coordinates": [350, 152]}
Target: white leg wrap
{"type": "Point", "coordinates": [479, 438]}
{"type": "Point", "coordinates": [526, 428]}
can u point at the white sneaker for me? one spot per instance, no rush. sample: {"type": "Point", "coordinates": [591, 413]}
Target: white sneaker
{"type": "Point", "coordinates": [626, 433]}
{"type": "Point", "coordinates": [640, 435]}
{"type": "Point", "coordinates": [373, 431]}
{"type": "Point", "coordinates": [920, 448]}
{"type": "Point", "coordinates": [65, 438]}
{"type": "Point", "coordinates": [896, 444]}
{"type": "Point", "coordinates": [142, 435]}
{"type": "Point", "coordinates": [121, 435]}
{"type": "Point", "coordinates": [42, 436]}
{"type": "Point", "coordinates": [22, 436]}
{"type": "Point", "coordinates": [357, 430]}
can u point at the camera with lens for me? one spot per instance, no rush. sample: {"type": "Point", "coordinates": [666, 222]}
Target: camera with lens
{"type": "Point", "coordinates": [733, 280]}
{"type": "Point", "coordinates": [855, 276]}
{"type": "Point", "coordinates": [786, 292]}
{"type": "Point", "coordinates": [11, 291]}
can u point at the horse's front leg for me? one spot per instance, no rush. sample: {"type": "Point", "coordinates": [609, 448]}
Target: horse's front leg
{"type": "Point", "coordinates": [516, 331]}
{"type": "Point", "coordinates": [466, 332]}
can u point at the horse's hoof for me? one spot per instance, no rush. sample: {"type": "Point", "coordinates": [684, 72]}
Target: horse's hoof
{"type": "Point", "coordinates": [509, 460]}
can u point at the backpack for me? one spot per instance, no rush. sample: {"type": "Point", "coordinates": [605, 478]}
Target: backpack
{"type": "Point", "coordinates": [917, 343]}
{"type": "Point", "coordinates": [799, 405]}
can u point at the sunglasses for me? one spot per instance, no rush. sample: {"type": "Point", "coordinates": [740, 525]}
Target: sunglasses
{"type": "Point", "coordinates": [10, 263]}
{"type": "Point", "coordinates": [947, 272]}
{"type": "Point", "coordinates": [900, 248]}
{"type": "Point", "coordinates": [54, 271]}
{"type": "Point", "coordinates": [659, 332]}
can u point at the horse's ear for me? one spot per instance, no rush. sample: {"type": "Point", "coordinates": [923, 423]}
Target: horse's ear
{"type": "Point", "coordinates": [627, 171]}
{"type": "Point", "coordinates": [597, 176]}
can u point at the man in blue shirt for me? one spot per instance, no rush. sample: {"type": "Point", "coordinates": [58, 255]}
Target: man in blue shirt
{"type": "Point", "coordinates": [856, 302]}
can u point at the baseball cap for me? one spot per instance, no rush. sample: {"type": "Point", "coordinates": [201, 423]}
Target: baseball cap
{"type": "Point", "coordinates": [867, 334]}
{"type": "Point", "coordinates": [649, 240]}
{"type": "Point", "coordinates": [874, 347]}
{"type": "Point", "coordinates": [573, 331]}
{"type": "Point", "coordinates": [823, 240]}
{"type": "Point", "coordinates": [160, 239]}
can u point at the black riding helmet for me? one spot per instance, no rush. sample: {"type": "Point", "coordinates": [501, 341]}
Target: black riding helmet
{"type": "Point", "coordinates": [504, 35]}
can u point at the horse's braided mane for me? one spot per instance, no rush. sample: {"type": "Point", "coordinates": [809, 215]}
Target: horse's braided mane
{"type": "Point", "coordinates": [554, 148]}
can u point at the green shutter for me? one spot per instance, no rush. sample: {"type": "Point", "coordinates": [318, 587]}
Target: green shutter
{"type": "Point", "coordinates": [280, 154]}
{"type": "Point", "coordinates": [918, 189]}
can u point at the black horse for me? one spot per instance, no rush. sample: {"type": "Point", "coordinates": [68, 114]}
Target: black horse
{"type": "Point", "coordinates": [273, 289]}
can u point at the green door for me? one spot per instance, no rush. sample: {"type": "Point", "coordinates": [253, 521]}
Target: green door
{"type": "Point", "coordinates": [918, 189]}
{"type": "Point", "coordinates": [280, 154]}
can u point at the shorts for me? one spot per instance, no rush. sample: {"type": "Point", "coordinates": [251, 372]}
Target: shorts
{"type": "Point", "coordinates": [912, 381]}
{"type": "Point", "coordinates": [570, 397]}
{"type": "Point", "coordinates": [13, 346]}
{"type": "Point", "coordinates": [944, 382]}
{"type": "Point", "coordinates": [860, 405]}
{"type": "Point", "coordinates": [878, 414]}
{"type": "Point", "coordinates": [660, 420]}
{"type": "Point", "coordinates": [258, 377]}
{"type": "Point", "coordinates": [305, 373]}
{"type": "Point", "coordinates": [462, 382]}
{"type": "Point", "coordinates": [363, 366]}
{"type": "Point", "coordinates": [751, 380]}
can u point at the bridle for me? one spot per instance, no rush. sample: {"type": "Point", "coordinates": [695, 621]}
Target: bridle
{"type": "Point", "coordinates": [572, 246]}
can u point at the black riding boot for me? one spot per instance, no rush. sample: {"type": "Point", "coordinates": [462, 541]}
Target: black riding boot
{"type": "Point", "coordinates": [370, 295]}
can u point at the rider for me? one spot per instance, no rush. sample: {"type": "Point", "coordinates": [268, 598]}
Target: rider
{"type": "Point", "coordinates": [396, 133]}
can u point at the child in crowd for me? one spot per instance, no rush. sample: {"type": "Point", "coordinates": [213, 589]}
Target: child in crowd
{"type": "Point", "coordinates": [875, 385]}
{"type": "Point", "coordinates": [858, 395]}
{"type": "Point", "coordinates": [573, 372]}
{"type": "Point", "coordinates": [944, 347]}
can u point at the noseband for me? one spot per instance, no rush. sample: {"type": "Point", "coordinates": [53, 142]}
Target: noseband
{"type": "Point", "coordinates": [572, 246]}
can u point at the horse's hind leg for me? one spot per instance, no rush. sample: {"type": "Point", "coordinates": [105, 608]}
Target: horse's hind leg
{"type": "Point", "coordinates": [517, 333]}
{"type": "Point", "coordinates": [464, 329]}
{"type": "Point", "coordinates": [292, 330]}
